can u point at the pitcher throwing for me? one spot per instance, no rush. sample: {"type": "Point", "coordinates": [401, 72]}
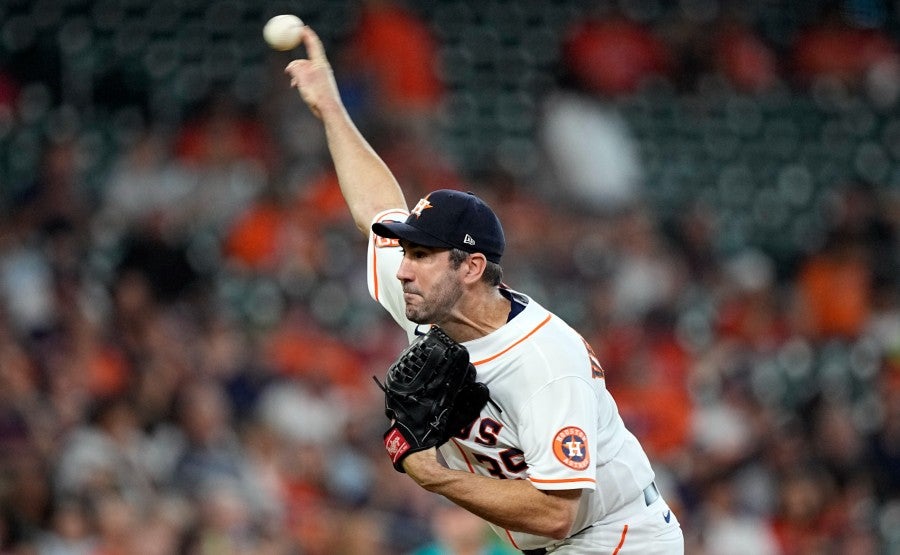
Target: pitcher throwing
{"type": "Point", "coordinates": [543, 456]}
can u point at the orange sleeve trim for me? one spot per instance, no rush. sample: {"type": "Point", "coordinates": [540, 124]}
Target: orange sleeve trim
{"type": "Point", "coordinates": [506, 350]}
{"type": "Point", "coordinates": [563, 481]}
{"type": "Point", "coordinates": [511, 540]}
{"type": "Point", "coordinates": [375, 253]}
{"type": "Point", "coordinates": [621, 540]}
{"type": "Point", "coordinates": [375, 272]}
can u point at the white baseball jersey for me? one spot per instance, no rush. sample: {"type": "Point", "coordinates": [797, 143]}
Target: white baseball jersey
{"type": "Point", "coordinates": [551, 419]}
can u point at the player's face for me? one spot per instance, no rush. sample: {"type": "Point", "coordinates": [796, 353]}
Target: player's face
{"type": "Point", "coordinates": [431, 287]}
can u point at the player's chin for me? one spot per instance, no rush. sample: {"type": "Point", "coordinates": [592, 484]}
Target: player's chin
{"type": "Point", "coordinates": [415, 315]}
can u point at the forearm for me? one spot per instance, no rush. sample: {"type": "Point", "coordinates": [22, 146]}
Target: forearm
{"type": "Point", "coordinates": [513, 504]}
{"type": "Point", "coordinates": [367, 184]}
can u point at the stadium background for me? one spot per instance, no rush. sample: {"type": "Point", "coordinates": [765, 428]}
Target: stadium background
{"type": "Point", "coordinates": [707, 190]}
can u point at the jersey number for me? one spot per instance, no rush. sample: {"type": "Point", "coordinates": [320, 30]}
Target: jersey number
{"type": "Point", "coordinates": [512, 461]}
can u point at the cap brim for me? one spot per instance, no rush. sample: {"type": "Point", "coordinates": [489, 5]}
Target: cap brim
{"type": "Point", "coordinates": [402, 230]}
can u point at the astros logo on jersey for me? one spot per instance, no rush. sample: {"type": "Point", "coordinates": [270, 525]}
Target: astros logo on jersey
{"type": "Point", "coordinates": [571, 448]}
{"type": "Point", "coordinates": [423, 204]}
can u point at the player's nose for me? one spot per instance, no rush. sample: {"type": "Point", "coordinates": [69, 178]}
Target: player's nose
{"type": "Point", "coordinates": [404, 271]}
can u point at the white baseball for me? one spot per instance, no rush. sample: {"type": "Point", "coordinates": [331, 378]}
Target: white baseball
{"type": "Point", "coordinates": [283, 32]}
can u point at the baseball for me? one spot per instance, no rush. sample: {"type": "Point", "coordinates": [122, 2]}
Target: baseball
{"type": "Point", "coordinates": [283, 32]}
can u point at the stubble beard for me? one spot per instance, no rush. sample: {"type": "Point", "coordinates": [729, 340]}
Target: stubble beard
{"type": "Point", "coordinates": [435, 308]}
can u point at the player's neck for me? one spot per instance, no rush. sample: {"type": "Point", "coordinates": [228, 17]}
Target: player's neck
{"type": "Point", "coordinates": [477, 315]}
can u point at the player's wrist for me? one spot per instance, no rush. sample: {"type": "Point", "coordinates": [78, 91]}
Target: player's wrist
{"type": "Point", "coordinates": [423, 467]}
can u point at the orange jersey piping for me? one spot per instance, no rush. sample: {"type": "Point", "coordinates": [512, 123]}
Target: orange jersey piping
{"type": "Point", "coordinates": [375, 248]}
{"type": "Point", "coordinates": [506, 350]}
{"type": "Point", "coordinates": [375, 271]}
{"type": "Point", "coordinates": [463, 454]}
{"type": "Point", "coordinates": [621, 540]}
{"type": "Point", "coordinates": [511, 540]}
{"type": "Point", "coordinates": [562, 480]}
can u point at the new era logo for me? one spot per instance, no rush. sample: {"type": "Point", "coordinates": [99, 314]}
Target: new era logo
{"type": "Point", "coordinates": [468, 240]}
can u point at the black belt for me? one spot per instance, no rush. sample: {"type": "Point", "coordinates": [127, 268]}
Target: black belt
{"type": "Point", "coordinates": [651, 494]}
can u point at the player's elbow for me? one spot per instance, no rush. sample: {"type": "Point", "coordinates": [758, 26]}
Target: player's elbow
{"type": "Point", "coordinates": [560, 528]}
{"type": "Point", "coordinates": [560, 515]}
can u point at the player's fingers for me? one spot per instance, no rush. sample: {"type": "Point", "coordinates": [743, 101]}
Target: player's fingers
{"type": "Point", "coordinates": [313, 44]}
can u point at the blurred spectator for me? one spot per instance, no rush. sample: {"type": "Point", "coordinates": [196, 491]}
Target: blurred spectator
{"type": "Point", "coordinates": [800, 524]}
{"type": "Point", "coordinates": [212, 466]}
{"type": "Point", "coordinates": [841, 267]}
{"type": "Point", "coordinates": [833, 48]}
{"type": "Point", "coordinates": [146, 189]}
{"type": "Point", "coordinates": [229, 156]}
{"type": "Point", "coordinates": [56, 198]}
{"type": "Point", "coordinates": [885, 443]}
{"type": "Point", "coordinates": [726, 527]}
{"type": "Point", "coordinates": [255, 237]}
{"type": "Point", "coordinates": [396, 52]}
{"type": "Point", "coordinates": [29, 508]}
{"type": "Point", "coordinates": [613, 55]}
{"type": "Point", "coordinates": [646, 276]}
{"type": "Point", "coordinates": [70, 532]}
{"type": "Point", "coordinates": [221, 134]}
{"type": "Point", "coordinates": [107, 456]}
{"type": "Point", "coordinates": [645, 361]}
{"type": "Point", "coordinates": [744, 59]}
{"type": "Point", "coordinates": [9, 92]}
{"type": "Point", "coordinates": [459, 532]}
{"type": "Point", "coordinates": [591, 150]}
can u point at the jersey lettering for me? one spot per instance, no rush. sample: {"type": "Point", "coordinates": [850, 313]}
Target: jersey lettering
{"type": "Point", "coordinates": [488, 431]}
{"type": "Point", "coordinates": [596, 369]}
{"type": "Point", "coordinates": [464, 433]}
{"type": "Point", "coordinates": [384, 242]}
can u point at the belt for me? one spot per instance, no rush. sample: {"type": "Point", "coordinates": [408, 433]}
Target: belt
{"type": "Point", "coordinates": [651, 494]}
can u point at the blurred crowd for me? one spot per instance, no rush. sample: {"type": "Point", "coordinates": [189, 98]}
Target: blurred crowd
{"type": "Point", "coordinates": [186, 351]}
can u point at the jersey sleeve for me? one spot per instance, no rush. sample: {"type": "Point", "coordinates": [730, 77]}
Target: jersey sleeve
{"type": "Point", "coordinates": [384, 257]}
{"type": "Point", "coordinates": [559, 437]}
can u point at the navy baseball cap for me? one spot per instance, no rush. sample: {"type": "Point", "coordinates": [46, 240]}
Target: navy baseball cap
{"type": "Point", "coordinates": [450, 219]}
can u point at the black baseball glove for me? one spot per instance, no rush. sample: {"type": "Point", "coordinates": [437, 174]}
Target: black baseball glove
{"type": "Point", "coordinates": [430, 394]}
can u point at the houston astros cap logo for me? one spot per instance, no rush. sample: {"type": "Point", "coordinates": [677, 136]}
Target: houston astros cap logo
{"type": "Point", "coordinates": [571, 448]}
{"type": "Point", "coordinates": [423, 204]}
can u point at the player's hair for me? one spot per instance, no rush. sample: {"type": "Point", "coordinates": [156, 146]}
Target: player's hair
{"type": "Point", "coordinates": [493, 273]}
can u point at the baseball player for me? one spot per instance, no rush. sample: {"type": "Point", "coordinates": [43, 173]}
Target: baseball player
{"type": "Point", "coordinates": [548, 461]}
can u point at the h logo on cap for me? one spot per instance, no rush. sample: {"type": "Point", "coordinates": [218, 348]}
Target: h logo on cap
{"type": "Point", "coordinates": [423, 204]}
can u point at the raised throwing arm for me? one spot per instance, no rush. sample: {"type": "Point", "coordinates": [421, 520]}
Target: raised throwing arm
{"type": "Point", "coordinates": [366, 182]}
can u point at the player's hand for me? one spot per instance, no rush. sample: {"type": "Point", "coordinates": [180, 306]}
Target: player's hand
{"type": "Point", "coordinates": [313, 77]}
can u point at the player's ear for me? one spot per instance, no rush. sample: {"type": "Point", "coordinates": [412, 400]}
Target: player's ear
{"type": "Point", "coordinates": [474, 265]}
